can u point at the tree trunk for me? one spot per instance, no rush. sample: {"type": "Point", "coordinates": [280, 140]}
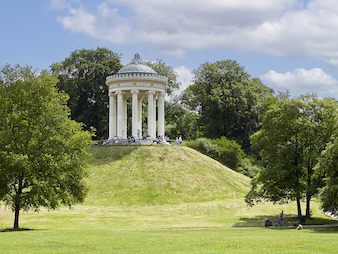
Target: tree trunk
{"type": "Point", "coordinates": [299, 207]}
{"type": "Point", "coordinates": [308, 199]}
{"type": "Point", "coordinates": [16, 217]}
{"type": "Point", "coordinates": [17, 203]}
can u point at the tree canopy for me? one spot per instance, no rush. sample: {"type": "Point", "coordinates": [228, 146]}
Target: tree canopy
{"type": "Point", "coordinates": [294, 133]}
{"type": "Point", "coordinates": [165, 70]}
{"type": "Point", "coordinates": [328, 166]}
{"type": "Point", "coordinates": [82, 76]}
{"type": "Point", "coordinates": [41, 148]}
{"type": "Point", "coordinates": [228, 101]}
{"type": "Point", "coordinates": [180, 120]}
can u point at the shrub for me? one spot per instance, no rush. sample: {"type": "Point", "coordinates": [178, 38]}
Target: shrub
{"type": "Point", "coordinates": [228, 152]}
{"type": "Point", "coordinates": [247, 167]}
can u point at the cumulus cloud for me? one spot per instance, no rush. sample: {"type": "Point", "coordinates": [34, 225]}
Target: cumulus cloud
{"type": "Point", "coordinates": [184, 76]}
{"type": "Point", "coordinates": [285, 28]}
{"type": "Point", "coordinates": [303, 81]}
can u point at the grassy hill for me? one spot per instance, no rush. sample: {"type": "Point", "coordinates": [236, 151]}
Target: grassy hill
{"type": "Point", "coordinates": [163, 200]}
{"type": "Point", "coordinates": [157, 175]}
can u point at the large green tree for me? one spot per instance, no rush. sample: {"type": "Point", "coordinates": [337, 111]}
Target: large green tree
{"type": "Point", "coordinates": [41, 148]}
{"type": "Point", "coordinates": [328, 165]}
{"type": "Point", "coordinates": [294, 133]}
{"type": "Point", "coordinates": [82, 76]}
{"type": "Point", "coordinates": [228, 101]}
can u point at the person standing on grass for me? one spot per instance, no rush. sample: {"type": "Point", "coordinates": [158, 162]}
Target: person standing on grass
{"type": "Point", "coordinates": [180, 139]}
{"type": "Point", "coordinates": [281, 218]}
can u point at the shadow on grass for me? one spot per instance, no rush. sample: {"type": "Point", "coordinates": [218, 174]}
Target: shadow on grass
{"type": "Point", "coordinates": [326, 230]}
{"type": "Point", "coordinates": [258, 221]}
{"type": "Point", "coordinates": [102, 155]}
{"type": "Point", "coordinates": [15, 230]}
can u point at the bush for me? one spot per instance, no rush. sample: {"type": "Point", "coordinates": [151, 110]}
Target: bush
{"type": "Point", "coordinates": [246, 167]}
{"type": "Point", "coordinates": [228, 152]}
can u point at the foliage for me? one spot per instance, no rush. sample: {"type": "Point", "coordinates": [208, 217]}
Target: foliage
{"type": "Point", "coordinates": [228, 152]}
{"type": "Point", "coordinates": [248, 168]}
{"type": "Point", "coordinates": [179, 120]}
{"type": "Point", "coordinates": [294, 133]}
{"type": "Point", "coordinates": [82, 76]}
{"type": "Point", "coordinates": [329, 165]}
{"type": "Point", "coordinates": [228, 101]}
{"type": "Point", "coordinates": [41, 149]}
{"type": "Point", "coordinates": [165, 70]}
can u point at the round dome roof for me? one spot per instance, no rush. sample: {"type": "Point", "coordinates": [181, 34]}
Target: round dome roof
{"type": "Point", "coordinates": [137, 65]}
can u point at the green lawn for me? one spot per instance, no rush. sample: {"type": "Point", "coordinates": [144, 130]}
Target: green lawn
{"type": "Point", "coordinates": [245, 240]}
{"type": "Point", "coordinates": [197, 218]}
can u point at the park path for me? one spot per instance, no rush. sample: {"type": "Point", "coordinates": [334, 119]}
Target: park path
{"type": "Point", "coordinates": [321, 226]}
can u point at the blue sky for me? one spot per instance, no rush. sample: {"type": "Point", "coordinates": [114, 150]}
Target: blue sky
{"type": "Point", "coordinates": [288, 44]}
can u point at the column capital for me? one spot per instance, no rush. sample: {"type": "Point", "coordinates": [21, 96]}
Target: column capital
{"type": "Point", "coordinates": [111, 94]}
{"type": "Point", "coordinates": [119, 92]}
{"type": "Point", "coordinates": [161, 94]}
{"type": "Point", "coordinates": [151, 92]}
{"type": "Point", "coordinates": [134, 91]}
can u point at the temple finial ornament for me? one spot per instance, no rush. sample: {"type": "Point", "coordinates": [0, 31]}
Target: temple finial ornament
{"type": "Point", "coordinates": [137, 59]}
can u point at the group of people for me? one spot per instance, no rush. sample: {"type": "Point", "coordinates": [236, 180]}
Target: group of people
{"type": "Point", "coordinates": [158, 140]}
{"type": "Point", "coordinates": [179, 140]}
{"type": "Point", "coordinates": [268, 223]}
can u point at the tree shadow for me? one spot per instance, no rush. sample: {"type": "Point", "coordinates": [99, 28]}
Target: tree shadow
{"type": "Point", "coordinates": [105, 154]}
{"type": "Point", "coordinates": [326, 230]}
{"type": "Point", "coordinates": [258, 221]}
{"type": "Point", "coordinates": [15, 230]}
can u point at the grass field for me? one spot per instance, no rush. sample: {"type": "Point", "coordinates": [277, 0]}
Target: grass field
{"type": "Point", "coordinates": [126, 211]}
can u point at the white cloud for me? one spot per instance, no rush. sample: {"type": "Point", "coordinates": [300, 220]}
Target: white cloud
{"type": "Point", "coordinates": [302, 81]}
{"type": "Point", "coordinates": [184, 76]}
{"type": "Point", "coordinates": [57, 4]}
{"type": "Point", "coordinates": [285, 28]}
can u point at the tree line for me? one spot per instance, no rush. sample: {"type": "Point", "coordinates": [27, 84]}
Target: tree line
{"type": "Point", "coordinates": [287, 144]}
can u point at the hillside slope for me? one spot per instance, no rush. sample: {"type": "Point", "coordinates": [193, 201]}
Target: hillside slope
{"type": "Point", "coordinates": [151, 175]}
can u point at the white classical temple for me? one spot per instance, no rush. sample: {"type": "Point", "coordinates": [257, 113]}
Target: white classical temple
{"type": "Point", "coordinates": [136, 80]}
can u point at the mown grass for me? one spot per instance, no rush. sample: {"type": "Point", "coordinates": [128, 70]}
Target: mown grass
{"type": "Point", "coordinates": [154, 175]}
{"type": "Point", "coordinates": [253, 240]}
{"type": "Point", "coordinates": [126, 211]}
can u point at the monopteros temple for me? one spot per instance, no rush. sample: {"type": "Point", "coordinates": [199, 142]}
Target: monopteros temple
{"type": "Point", "coordinates": [136, 80]}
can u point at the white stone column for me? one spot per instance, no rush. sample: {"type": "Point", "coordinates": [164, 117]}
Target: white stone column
{"type": "Point", "coordinates": [120, 114]}
{"type": "Point", "coordinates": [160, 120]}
{"type": "Point", "coordinates": [125, 116]}
{"type": "Point", "coordinates": [140, 117]}
{"type": "Point", "coordinates": [112, 115]}
{"type": "Point", "coordinates": [151, 114]}
{"type": "Point", "coordinates": [134, 113]}
{"type": "Point", "coordinates": [155, 98]}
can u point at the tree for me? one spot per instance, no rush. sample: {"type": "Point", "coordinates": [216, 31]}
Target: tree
{"type": "Point", "coordinates": [179, 120]}
{"type": "Point", "coordinates": [293, 135]}
{"type": "Point", "coordinates": [328, 165]}
{"type": "Point", "coordinates": [41, 149]}
{"type": "Point", "coordinates": [165, 70]}
{"type": "Point", "coordinates": [228, 101]}
{"type": "Point", "coordinates": [83, 77]}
